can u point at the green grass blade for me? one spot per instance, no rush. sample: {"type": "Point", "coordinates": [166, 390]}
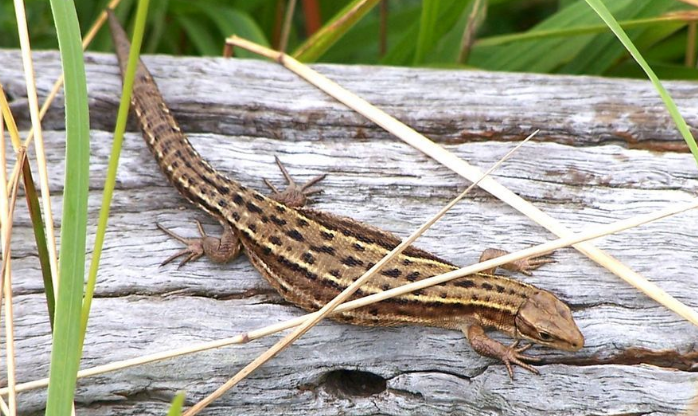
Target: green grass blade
{"type": "Point", "coordinates": [404, 51]}
{"type": "Point", "coordinates": [110, 181]}
{"type": "Point", "coordinates": [177, 405]}
{"type": "Point", "coordinates": [233, 22]}
{"type": "Point", "coordinates": [323, 39]}
{"type": "Point", "coordinates": [65, 354]}
{"type": "Point", "coordinates": [200, 35]}
{"type": "Point", "coordinates": [608, 18]}
{"type": "Point", "coordinates": [427, 33]}
{"type": "Point", "coordinates": [545, 55]}
{"type": "Point", "coordinates": [40, 236]}
{"type": "Point", "coordinates": [575, 31]}
{"type": "Point", "coordinates": [605, 51]}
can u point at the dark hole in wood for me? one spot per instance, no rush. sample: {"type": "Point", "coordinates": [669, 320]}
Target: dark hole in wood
{"type": "Point", "coordinates": [354, 383]}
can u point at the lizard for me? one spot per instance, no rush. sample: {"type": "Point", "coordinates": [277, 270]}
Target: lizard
{"type": "Point", "coordinates": [309, 256]}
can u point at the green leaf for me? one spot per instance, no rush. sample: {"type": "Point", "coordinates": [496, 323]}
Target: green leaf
{"type": "Point", "coordinates": [40, 237]}
{"type": "Point", "coordinates": [426, 37]}
{"type": "Point", "coordinates": [404, 51]}
{"type": "Point", "coordinates": [177, 405]}
{"type": "Point", "coordinates": [66, 352]}
{"type": "Point", "coordinates": [333, 30]}
{"type": "Point", "coordinates": [232, 22]}
{"type": "Point", "coordinates": [200, 34]}
{"type": "Point", "coordinates": [608, 18]}
{"type": "Point", "coordinates": [361, 43]}
{"type": "Point", "coordinates": [604, 51]}
{"type": "Point", "coordinates": [545, 55]}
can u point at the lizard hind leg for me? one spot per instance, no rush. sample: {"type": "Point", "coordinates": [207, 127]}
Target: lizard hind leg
{"type": "Point", "coordinates": [220, 250]}
{"type": "Point", "coordinates": [294, 195]}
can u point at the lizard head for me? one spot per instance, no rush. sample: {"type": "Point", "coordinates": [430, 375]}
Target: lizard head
{"type": "Point", "coordinates": [546, 320]}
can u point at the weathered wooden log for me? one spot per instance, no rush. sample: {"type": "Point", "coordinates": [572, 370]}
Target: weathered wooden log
{"type": "Point", "coordinates": [607, 150]}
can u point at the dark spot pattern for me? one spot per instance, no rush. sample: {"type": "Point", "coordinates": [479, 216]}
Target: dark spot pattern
{"type": "Point", "coordinates": [395, 273]}
{"type": "Point", "coordinates": [486, 286]}
{"type": "Point", "coordinates": [324, 249]}
{"type": "Point", "coordinates": [352, 261]}
{"type": "Point", "coordinates": [238, 199]}
{"type": "Point", "coordinates": [327, 236]}
{"type": "Point", "coordinates": [253, 208]}
{"type": "Point", "coordinates": [275, 240]}
{"type": "Point", "coordinates": [278, 221]}
{"type": "Point", "coordinates": [359, 247]}
{"type": "Point", "coordinates": [294, 234]}
{"type": "Point", "coordinates": [308, 258]}
{"type": "Point", "coordinates": [258, 197]}
{"type": "Point", "coordinates": [412, 276]}
{"type": "Point", "coordinates": [465, 283]}
{"type": "Point", "coordinates": [302, 223]}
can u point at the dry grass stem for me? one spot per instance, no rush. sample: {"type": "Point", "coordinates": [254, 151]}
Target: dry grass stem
{"type": "Point", "coordinates": [7, 205]}
{"type": "Point", "coordinates": [9, 119]}
{"type": "Point", "coordinates": [89, 37]}
{"type": "Point", "coordinates": [420, 142]}
{"type": "Point", "coordinates": [36, 126]}
{"type": "Point", "coordinates": [4, 226]}
{"type": "Point", "coordinates": [342, 297]}
{"type": "Point", "coordinates": [600, 231]}
{"type": "Point", "coordinates": [286, 29]}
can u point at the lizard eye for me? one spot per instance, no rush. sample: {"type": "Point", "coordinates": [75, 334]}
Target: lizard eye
{"type": "Point", "coordinates": [544, 336]}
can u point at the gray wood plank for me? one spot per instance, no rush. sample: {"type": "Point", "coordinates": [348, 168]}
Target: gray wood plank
{"type": "Point", "coordinates": [608, 151]}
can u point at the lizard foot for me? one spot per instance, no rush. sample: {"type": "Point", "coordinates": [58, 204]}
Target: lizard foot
{"type": "Point", "coordinates": [294, 195]}
{"type": "Point", "coordinates": [512, 355]}
{"type": "Point", "coordinates": [525, 266]}
{"type": "Point", "coordinates": [220, 250]}
{"type": "Point", "coordinates": [509, 355]}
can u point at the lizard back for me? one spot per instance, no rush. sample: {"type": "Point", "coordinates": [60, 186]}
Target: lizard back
{"type": "Point", "coordinates": [308, 256]}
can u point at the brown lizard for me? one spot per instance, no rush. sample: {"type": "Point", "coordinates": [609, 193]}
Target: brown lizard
{"type": "Point", "coordinates": [309, 257]}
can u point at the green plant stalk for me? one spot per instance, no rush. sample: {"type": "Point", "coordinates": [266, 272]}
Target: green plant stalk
{"type": "Point", "coordinates": [340, 24]}
{"type": "Point", "coordinates": [65, 354]}
{"type": "Point", "coordinates": [577, 31]}
{"type": "Point", "coordinates": [40, 236]}
{"type": "Point", "coordinates": [608, 18]}
{"type": "Point", "coordinates": [177, 405]}
{"type": "Point", "coordinates": [427, 22]}
{"type": "Point", "coordinates": [110, 181]}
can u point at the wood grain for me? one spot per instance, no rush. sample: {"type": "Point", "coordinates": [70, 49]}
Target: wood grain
{"type": "Point", "coordinates": [608, 151]}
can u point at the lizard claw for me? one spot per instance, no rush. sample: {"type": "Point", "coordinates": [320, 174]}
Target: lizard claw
{"type": "Point", "coordinates": [220, 250]}
{"type": "Point", "coordinates": [524, 266]}
{"type": "Point", "coordinates": [194, 246]}
{"type": "Point", "coordinates": [529, 264]}
{"type": "Point", "coordinates": [513, 356]}
{"type": "Point", "coordinates": [294, 195]}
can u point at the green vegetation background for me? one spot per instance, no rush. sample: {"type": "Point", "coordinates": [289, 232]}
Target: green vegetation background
{"type": "Point", "coordinates": [546, 36]}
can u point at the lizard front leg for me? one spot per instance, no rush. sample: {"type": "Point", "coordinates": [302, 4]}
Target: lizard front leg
{"type": "Point", "coordinates": [509, 355]}
{"type": "Point", "coordinates": [294, 196]}
{"type": "Point", "coordinates": [525, 265]}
